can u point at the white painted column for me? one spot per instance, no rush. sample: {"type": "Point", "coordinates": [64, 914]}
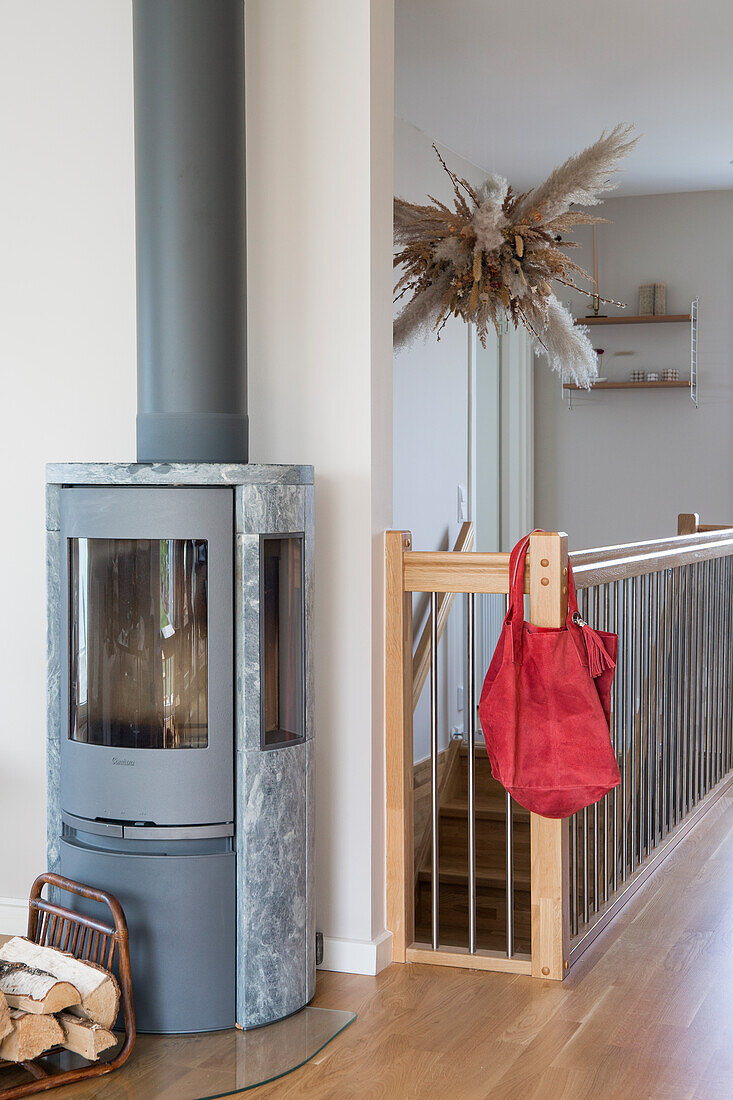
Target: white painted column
{"type": "Point", "coordinates": [319, 181]}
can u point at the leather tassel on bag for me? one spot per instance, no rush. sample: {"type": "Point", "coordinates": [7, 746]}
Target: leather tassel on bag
{"type": "Point", "coordinates": [598, 658]}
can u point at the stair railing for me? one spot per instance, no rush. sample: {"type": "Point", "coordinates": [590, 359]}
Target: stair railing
{"type": "Point", "coordinates": [434, 573]}
{"type": "Point", "coordinates": [671, 602]}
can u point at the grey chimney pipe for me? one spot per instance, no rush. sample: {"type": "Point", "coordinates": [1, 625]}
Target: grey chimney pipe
{"type": "Point", "coordinates": [190, 230]}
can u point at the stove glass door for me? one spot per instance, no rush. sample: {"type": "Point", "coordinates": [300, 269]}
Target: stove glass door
{"type": "Point", "coordinates": [138, 646]}
{"type": "Point", "coordinates": [282, 651]}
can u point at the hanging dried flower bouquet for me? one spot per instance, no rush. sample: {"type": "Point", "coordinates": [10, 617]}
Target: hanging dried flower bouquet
{"type": "Point", "coordinates": [496, 253]}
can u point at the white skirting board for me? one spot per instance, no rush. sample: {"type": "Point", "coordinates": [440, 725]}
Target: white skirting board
{"type": "Point", "coordinates": [13, 916]}
{"type": "Point", "coordinates": [357, 956]}
{"type": "Point", "coordinates": [345, 956]}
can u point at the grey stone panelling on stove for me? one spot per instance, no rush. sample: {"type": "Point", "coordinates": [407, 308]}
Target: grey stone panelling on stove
{"type": "Point", "coordinates": [53, 695]}
{"type": "Point", "coordinates": [270, 509]}
{"type": "Point", "coordinates": [175, 473]}
{"type": "Point", "coordinates": [53, 508]}
{"type": "Point", "coordinates": [247, 642]}
{"type": "Point", "coordinates": [309, 528]}
{"type": "Point", "coordinates": [310, 870]}
{"type": "Point", "coordinates": [272, 925]}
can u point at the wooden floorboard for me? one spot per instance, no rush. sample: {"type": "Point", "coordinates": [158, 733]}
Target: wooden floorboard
{"type": "Point", "coordinates": [646, 1013]}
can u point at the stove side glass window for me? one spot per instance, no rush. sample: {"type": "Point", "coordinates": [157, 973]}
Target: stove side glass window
{"type": "Point", "coordinates": [281, 640]}
{"type": "Point", "coordinates": [138, 650]}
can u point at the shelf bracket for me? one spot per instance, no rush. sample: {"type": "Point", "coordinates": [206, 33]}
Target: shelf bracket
{"type": "Point", "coordinates": [694, 310]}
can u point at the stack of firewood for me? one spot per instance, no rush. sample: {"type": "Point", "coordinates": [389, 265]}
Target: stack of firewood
{"type": "Point", "coordinates": [49, 998]}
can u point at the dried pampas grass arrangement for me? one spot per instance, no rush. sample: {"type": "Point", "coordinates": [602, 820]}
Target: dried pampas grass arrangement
{"type": "Point", "coordinates": [495, 254]}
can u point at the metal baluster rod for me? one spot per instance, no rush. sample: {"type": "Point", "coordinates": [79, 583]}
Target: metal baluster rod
{"type": "Point", "coordinates": [636, 696]}
{"type": "Point", "coordinates": [675, 695]}
{"type": "Point", "coordinates": [628, 718]}
{"type": "Point", "coordinates": [691, 680]}
{"type": "Point", "coordinates": [657, 713]}
{"type": "Point", "coordinates": [721, 668]}
{"type": "Point", "coordinates": [726, 662]}
{"type": "Point", "coordinates": [716, 657]}
{"type": "Point", "coordinates": [617, 725]}
{"type": "Point", "coordinates": [692, 677]}
{"type": "Point", "coordinates": [705, 686]}
{"type": "Point", "coordinates": [596, 806]}
{"type": "Point", "coordinates": [713, 672]}
{"type": "Point", "coordinates": [509, 877]}
{"type": "Point", "coordinates": [663, 706]}
{"type": "Point", "coordinates": [574, 874]}
{"type": "Point", "coordinates": [649, 611]}
{"type": "Point", "coordinates": [722, 682]}
{"type": "Point", "coordinates": [607, 798]}
{"type": "Point", "coordinates": [684, 689]}
{"type": "Point", "coordinates": [434, 763]}
{"type": "Point", "coordinates": [700, 679]}
{"type": "Point", "coordinates": [586, 907]}
{"type": "Point", "coordinates": [470, 719]}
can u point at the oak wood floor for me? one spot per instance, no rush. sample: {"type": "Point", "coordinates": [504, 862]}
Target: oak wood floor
{"type": "Point", "coordinates": [647, 1012]}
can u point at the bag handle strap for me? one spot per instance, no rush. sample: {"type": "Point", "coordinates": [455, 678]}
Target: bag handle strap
{"type": "Point", "coordinates": [515, 612]}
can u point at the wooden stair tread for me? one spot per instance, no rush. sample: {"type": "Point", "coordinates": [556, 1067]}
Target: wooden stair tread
{"type": "Point", "coordinates": [486, 810]}
{"type": "Point", "coordinates": [452, 873]}
{"type": "Point", "coordinates": [479, 749]}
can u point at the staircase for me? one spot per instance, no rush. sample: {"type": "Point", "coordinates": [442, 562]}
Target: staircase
{"type": "Point", "coordinates": [490, 860]}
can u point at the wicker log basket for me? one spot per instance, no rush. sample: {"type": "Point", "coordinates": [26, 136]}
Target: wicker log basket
{"type": "Point", "coordinates": [91, 941]}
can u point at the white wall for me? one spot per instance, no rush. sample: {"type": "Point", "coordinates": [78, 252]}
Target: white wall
{"type": "Point", "coordinates": [622, 464]}
{"type": "Point", "coordinates": [320, 121]}
{"type": "Point", "coordinates": [431, 422]}
{"type": "Point", "coordinates": [67, 341]}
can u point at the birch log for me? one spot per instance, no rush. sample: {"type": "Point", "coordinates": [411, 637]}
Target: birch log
{"type": "Point", "coordinates": [6, 1024]}
{"type": "Point", "coordinates": [99, 992]}
{"type": "Point", "coordinates": [31, 1035]}
{"type": "Point", "coordinates": [84, 1037]}
{"type": "Point", "coordinates": [34, 990]}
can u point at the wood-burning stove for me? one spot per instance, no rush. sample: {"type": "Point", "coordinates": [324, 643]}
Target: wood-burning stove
{"type": "Point", "coordinates": [180, 752]}
{"type": "Point", "coordinates": [180, 728]}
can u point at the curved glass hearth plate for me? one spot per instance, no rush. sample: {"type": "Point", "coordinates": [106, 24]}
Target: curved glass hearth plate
{"type": "Point", "coordinates": [201, 1067]}
{"type": "Point", "coordinates": [256, 1057]}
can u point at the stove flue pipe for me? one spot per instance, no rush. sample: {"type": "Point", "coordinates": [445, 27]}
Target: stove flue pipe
{"type": "Point", "coordinates": [190, 230]}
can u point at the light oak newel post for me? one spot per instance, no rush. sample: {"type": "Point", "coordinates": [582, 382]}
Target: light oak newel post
{"type": "Point", "coordinates": [549, 838]}
{"type": "Point", "coordinates": [399, 749]}
{"type": "Point", "coordinates": [687, 523]}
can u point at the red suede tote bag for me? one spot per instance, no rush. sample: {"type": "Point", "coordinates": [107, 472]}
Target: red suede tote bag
{"type": "Point", "coordinates": [546, 704]}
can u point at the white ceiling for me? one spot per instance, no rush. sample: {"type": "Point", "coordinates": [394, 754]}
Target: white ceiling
{"type": "Point", "coordinates": [516, 87]}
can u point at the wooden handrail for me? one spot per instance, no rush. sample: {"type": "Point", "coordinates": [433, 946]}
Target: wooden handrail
{"type": "Point", "coordinates": [441, 571]}
{"type": "Point", "coordinates": [614, 563]}
{"type": "Point", "coordinates": [648, 546]}
{"type": "Point", "coordinates": [421, 660]}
